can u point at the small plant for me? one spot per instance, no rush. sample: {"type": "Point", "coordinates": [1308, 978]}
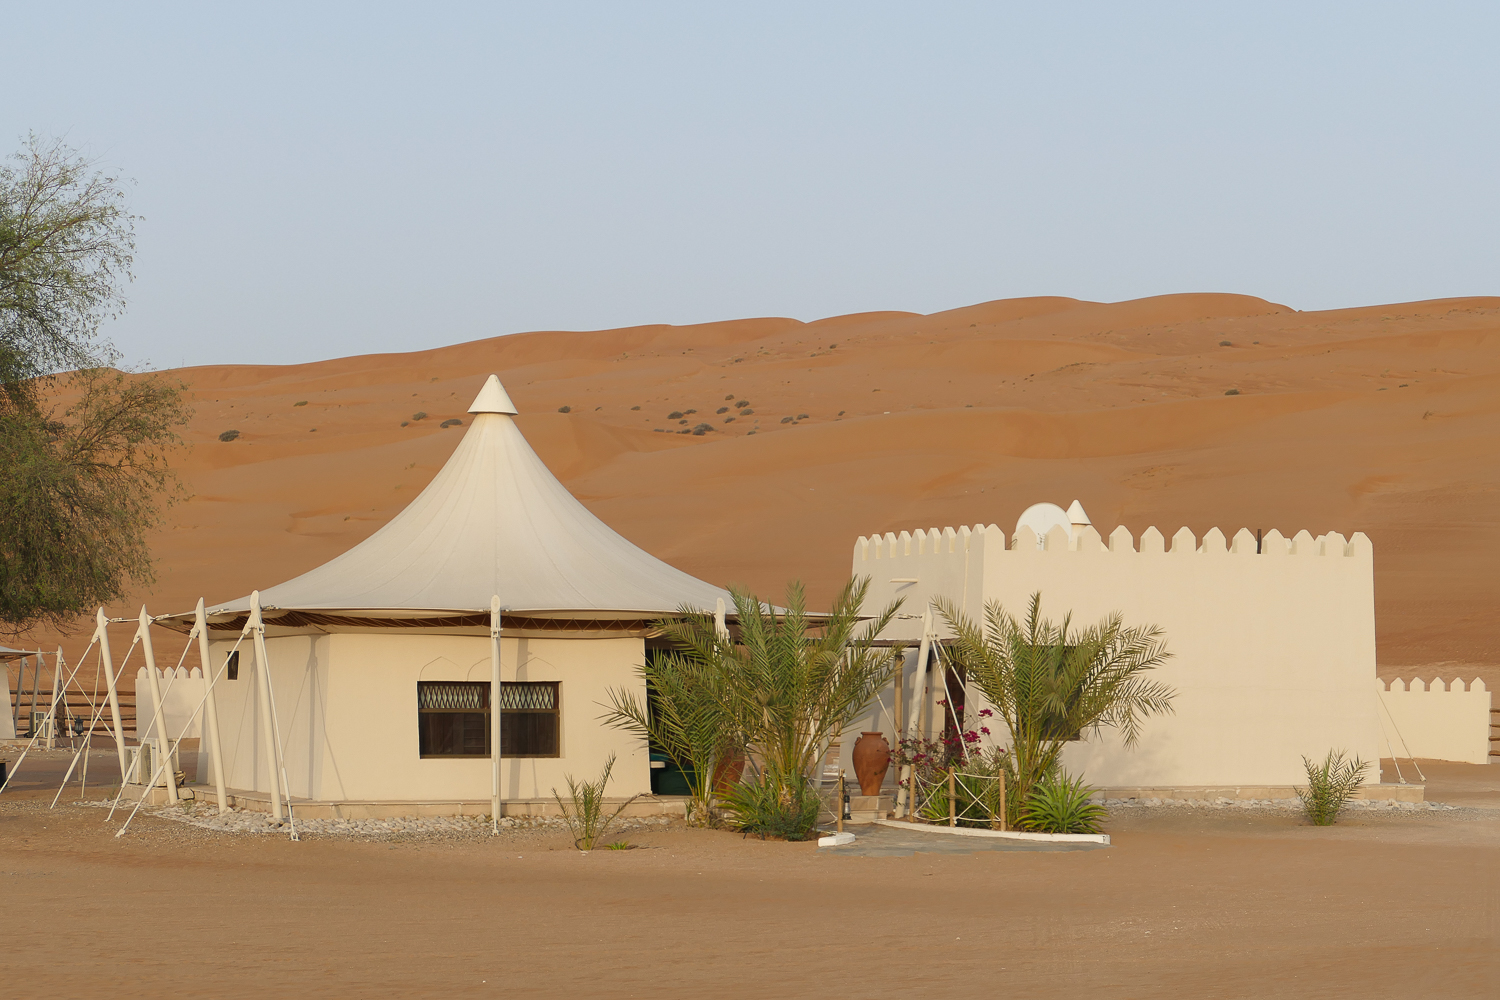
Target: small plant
{"type": "Point", "coordinates": [675, 415]}
{"type": "Point", "coordinates": [722, 409]}
{"type": "Point", "coordinates": [406, 423]}
{"type": "Point", "coordinates": [419, 415]}
{"type": "Point", "coordinates": [1060, 804]}
{"type": "Point", "coordinates": [635, 407]}
{"type": "Point", "coordinates": [564, 409]}
{"type": "Point", "coordinates": [1330, 785]}
{"type": "Point", "coordinates": [786, 420]}
{"type": "Point", "coordinates": [229, 435]}
{"type": "Point", "coordinates": [746, 412]}
{"type": "Point", "coordinates": [585, 814]}
{"type": "Point", "coordinates": [689, 411]}
{"type": "Point", "coordinates": [767, 808]}
{"type": "Point", "coordinates": [801, 416]}
{"type": "Point", "coordinates": [730, 396]}
{"type": "Point", "coordinates": [702, 429]}
{"type": "Point", "coordinates": [742, 403]}
{"type": "Point", "coordinates": [1225, 343]}
{"type": "Point", "coordinates": [620, 845]}
{"type": "Point", "coordinates": [453, 422]}
{"type": "Point", "coordinates": [1231, 392]}
{"type": "Point", "coordinates": [300, 402]}
{"type": "Point", "coordinates": [729, 420]}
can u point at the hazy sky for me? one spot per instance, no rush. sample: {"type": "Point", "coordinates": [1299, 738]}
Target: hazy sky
{"type": "Point", "coordinates": [321, 180]}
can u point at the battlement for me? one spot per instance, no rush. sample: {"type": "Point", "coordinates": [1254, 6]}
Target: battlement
{"type": "Point", "coordinates": [945, 541]}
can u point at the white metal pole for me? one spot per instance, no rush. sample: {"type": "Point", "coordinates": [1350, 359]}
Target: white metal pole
{"type": "Point", "coordinates": [101, 633]}
{"type": "Point", "coordinates": [495, 625]}
{"type": "Point", "coordinates": [143, 633]}
{"type": "Point", "coordinates": [57, 665]}
{"type": "Point", "coordinates": [257, 630]}
{"type": "Point", "coordinates": [918, 704]}
{"type": "Point", "coordinates": [210, 707]}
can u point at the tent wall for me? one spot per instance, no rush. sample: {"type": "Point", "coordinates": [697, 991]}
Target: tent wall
{"type": "Point", "coordinates": [347, 705]}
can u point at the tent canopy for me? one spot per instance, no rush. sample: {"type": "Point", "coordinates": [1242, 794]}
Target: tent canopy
{"type": "Point", "coordinates": [493, 521]}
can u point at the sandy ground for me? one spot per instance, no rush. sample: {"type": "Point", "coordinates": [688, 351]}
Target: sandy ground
{"type": "Point", "coordinates": [1382, 419]}
{"type": "Point", "coordinates": [1185, 903]}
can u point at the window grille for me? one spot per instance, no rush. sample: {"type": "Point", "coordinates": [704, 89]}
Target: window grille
{"type": "Point", "coordinates": [453, 719]}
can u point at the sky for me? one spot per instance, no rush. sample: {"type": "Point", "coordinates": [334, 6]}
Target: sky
{"type": "Point", "coordinates": [321, 180]}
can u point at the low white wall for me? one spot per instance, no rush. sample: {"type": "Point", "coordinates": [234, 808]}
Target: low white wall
{"type": "Point", "coordinates": [1273, 651]}
{"type": "Point", "coordinates": [183, 693]}
{"type": "Point", "coordinates": [1437, 720]}
{"type": "Point", "coordinates": [347, 706]}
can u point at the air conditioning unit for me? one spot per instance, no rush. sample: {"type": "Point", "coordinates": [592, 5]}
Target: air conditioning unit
{"type": "Point", "coordinates": [144, 760]}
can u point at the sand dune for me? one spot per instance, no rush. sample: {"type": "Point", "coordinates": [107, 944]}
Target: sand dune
{"type": "Point", "coordinates": [1383, 419]}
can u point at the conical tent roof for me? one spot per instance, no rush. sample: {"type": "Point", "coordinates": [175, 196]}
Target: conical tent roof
{"type": "Point", "coordinates": [493, 521]}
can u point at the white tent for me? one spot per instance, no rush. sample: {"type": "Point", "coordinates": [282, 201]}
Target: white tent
{"type": "Point", "coordinates": [361, 650]}
{"type": "Point", "coordinates": [493, 522]}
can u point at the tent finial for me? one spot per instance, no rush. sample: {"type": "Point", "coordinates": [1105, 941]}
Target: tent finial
{"type": "Point", "coordinates": [493, 398]}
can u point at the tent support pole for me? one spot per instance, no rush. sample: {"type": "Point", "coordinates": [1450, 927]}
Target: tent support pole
{"type": "Point", "coordinates": [101, 633]}
{"type": "Point", "coordinates": [257, 630]}
{"type": "Point", "coordinates": [36, 682]}
{"type": "Point", "coordinates": [57, 666]}
{"type": "Point", "coordinates": [495, 626]}
{"type": "Point", "coordinates": [210, 707]}
{"type": "Point", "coordinates": [143, 633]}
{"type": "Point", "coordinates": [905, 794]}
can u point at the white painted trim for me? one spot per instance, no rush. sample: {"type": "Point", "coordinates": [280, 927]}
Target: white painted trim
{"type": "Point", "coordinates": [966, 831]}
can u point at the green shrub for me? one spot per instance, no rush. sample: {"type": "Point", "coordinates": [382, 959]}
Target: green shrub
{"type": "Point", "coordinates": [584, 813]}
{"type": "Point", "coordinates": [1231, 392]}
{"type": "Point", "coordinates": [675, 415]}
{"type": "Point", "coordinates": [1330, 785]}
{"type": "Point", "coordinates": [564, 409]}
{"type": "Point", "coordinates": [229, 435]}
{"type": "Point", "coordinates": [452, 422]}
{"type": "Point", "coordinates": [768, 808]}
{"type": "Point", "coordinates": [419, 415]}
{"type": "Point", "coordinates": [300, 402]}
{"type": "Point", "coordinates": [1060, 804]}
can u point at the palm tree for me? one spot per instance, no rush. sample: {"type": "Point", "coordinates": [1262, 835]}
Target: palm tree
{"type": "Point", "coordinates": [779, 694]}
{"type": "Point", "coordinates": [1050, 683]}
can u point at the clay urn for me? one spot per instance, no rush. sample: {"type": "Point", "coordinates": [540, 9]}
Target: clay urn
{"type": "Point", "coordinates": [727, 772]}
{"type": "Point", "coordinates": [872, 758]}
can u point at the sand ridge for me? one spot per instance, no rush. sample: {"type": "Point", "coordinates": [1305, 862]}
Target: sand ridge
{"type": "Point", "coordinates": [1382, 419]}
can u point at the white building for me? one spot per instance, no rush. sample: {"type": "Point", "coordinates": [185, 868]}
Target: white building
{"type": "Point", "coordinates": [380, 661]}
{"type": "Point", "coordinates": [1273, 639]}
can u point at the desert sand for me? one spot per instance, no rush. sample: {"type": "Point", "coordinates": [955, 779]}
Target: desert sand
{"type": "Point", "coordinates": [1383, 419]}
{"type": "Point", "coordinates": [1186, 903]}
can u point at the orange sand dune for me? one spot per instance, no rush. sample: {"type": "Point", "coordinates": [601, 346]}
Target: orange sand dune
{"type": "Point", "coordinates": [1383, 419]}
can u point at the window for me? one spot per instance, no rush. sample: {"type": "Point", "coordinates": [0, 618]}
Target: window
{"type": "Point", "coordinates": [453, 719]}
{"type": "Point", "coordinates": [232, 666]}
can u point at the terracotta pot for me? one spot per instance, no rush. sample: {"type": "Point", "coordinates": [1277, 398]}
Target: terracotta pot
{"type": "Point", "coordinates": [727, 772]}
{"type": "Point", "coordinates": [872, 758]}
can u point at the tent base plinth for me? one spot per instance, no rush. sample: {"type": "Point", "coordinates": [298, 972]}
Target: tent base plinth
{"type": "Point", "coordinates": [673, 806]}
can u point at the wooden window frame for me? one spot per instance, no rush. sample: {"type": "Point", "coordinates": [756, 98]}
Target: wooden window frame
{"type": "Point", "coordinates": [555, 711]}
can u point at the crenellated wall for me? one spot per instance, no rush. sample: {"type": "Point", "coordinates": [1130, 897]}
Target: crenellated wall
{"type": "Point", "coordinates": [1273, 651]}
{"type": "Point", "coordinates": [1437, 720]}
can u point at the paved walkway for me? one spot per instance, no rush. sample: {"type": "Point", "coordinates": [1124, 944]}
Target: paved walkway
{"type": "Point", "coordinates": [873, 841]}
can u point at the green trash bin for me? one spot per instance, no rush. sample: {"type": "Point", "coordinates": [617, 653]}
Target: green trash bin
{"type": "Point", "coordinates": [668, 779]}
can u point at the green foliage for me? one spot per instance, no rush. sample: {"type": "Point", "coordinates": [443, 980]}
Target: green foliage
{"type": "Point", "coordinates": [66, 246]}
{"type": "Point", "coordinates": [778, 695]}
{"type": "Point", "coordinates": [80, 489]}
{"type": "Point", "coordinates": [976, 793]}
{"type": "Point", "coordinates": [767, 807]}
{"type": "Point", "coordinates": [1049, 682]}
{"type": "Point", "coordinates": [79, 495]}
{"type": "Point", "coordinates": [688, 718]}
{"type": "Point", "coordinates": [228, 436]}
{"type": "Point", "coordinates": [620, 845]}
{"type": "Point", "coordinates": [584, 812]}
{"type": "Point", "coordinates": [1060, 804]}
{"type": "Point", "coordinates": [1330, 785]}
